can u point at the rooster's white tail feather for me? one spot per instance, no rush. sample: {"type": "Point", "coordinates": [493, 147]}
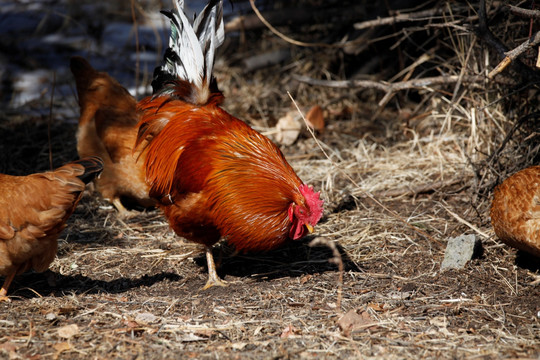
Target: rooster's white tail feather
{"type": "Point", "coordinates": [192, 47]}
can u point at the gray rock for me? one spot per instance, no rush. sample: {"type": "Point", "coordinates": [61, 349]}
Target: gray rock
{"type": "Point", "coordinates": [459, 250]}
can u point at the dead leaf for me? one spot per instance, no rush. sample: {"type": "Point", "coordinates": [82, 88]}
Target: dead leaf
{"type": "Point", "coordinates": [131, 324]}
{"type": "Point", "coordinates": [67, 310]}
{"type": "Point", "coordinates": [353, 321]}
{"type": "Point", "coordinates": [289, 331]}
{"type": "Point", "coordinates": [204, 332]}
{"type": "Point", "coordinates": [191, 337]}
{"type": "Point", "coordinates": [146, 318]}
{"type": "Point", "coordinates": [9, 347]}
{"type": "Point", "coordinates": [441, 322]}
{"type": "Point", "coordinates": [304, 279]}
{"type": "Point", "coordinates": [60, 347]}
{"type": "Point", "coordinates": [68, 331]}
{"type": "Point", "coordinates": [377, 307]}
{"type": "Point", "coordinates": [239, 345]}
{"type": "Point", "coordinates": [63, 346]}
{"type": "Point", "coordinates": [51, 316]}
{"type": "Point", "coordinates": [288, 128]}
{"type": "Point", "coordinates": [315, 118]}
{"type": "Point", "coordinates": [136, 227]}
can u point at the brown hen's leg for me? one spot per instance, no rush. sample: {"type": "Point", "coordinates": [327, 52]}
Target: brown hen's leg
{"type": "Point", "coordinates": [213, 278]}
{"type": "Point", "coordinates": [5, 287]}
{"type": "Point", "coordinates": [123, 213]}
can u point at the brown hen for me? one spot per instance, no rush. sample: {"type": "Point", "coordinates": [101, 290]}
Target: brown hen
{"type": "Point", "coordinates": [108, 129]}
{"type": "Point", "coordinates": [33, 212]}
{"type": "Point", "coordinates": [515, 211]}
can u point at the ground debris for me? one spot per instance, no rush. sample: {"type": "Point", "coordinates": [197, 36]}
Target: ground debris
{"type": "Point", "coordinates": [68, 331]}
{"type": "Point", "coordinates": [355, 320]}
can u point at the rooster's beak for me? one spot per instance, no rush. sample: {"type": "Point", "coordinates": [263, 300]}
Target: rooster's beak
{"type": "Point", "coordinates": [309, 228]}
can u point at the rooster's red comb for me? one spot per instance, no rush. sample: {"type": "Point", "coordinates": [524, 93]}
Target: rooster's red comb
{"type": "Point", "coordinates": [314, 203]}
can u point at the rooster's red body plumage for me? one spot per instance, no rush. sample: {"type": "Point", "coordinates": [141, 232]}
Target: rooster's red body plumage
{"type": "Point", "coordinates": [212, 174]}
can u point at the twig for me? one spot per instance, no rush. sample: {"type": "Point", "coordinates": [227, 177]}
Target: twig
{"type": "Point", "coordinates": [337, 259]}
{"type": "Point", "coordinates": [422, 189]}
{"type": "Point", "coordinates": [390, 88]}
{"type": "Point", "coordinates": [294, 14]}
{"type": "Point", "coordinates": [524, 12]}
{"type": "Point", "coordinates": [384, 86]}
{"type": "Point", "coordinates": [288, 39]}
{"type": "Point", "coordinates": [416, 16]}
{"type": "Point", "coordinates": [510, 134]}
{"type": "Point", "coordinates": [463, 221]}
{"type": "Point", "coordinates": [513, 54]}
{"type": "Point", "coordinates": [136, 30]}
{"type": "Point", "coordinates": [393, 213]}
{"type": "Point", "coordinates": [50, 121]}
{"type": "Point", "coordinates": [266, 59]}
{"type": "Point", "coordinates": [485, 34]}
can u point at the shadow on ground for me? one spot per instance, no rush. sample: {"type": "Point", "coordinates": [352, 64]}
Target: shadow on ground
{"type": "Point", "coordinates": [296, 259]}
{"type": "Point", "coordinates": [39, 284]}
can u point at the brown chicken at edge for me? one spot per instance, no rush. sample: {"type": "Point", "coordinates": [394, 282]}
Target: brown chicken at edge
{"type": "Point", "coordinates": [34, 210]}
{"type": "Point", "coordinates": [212, 174]}
{"type": "Point", "coordinates": [515, 210]}
{"type": "Point", "coordinates": [108, 129]}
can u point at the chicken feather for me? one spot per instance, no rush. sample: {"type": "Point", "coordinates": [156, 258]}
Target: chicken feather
{"type": "Point", "coordinates": [34, 210]}
{"type": "Point", "coordinates": [213, 175]}
{"type": "Point", "coordinates": [515, 210]}
{"type": "Point", "coordinates": [108, 128]}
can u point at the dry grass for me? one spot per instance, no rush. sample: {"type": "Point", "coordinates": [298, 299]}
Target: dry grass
{"type": "Point", "coordinates": [133, 288]}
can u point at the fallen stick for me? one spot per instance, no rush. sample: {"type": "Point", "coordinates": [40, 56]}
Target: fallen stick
{"type": "Point", "coordinates": [524, 12]}
{"type": "Point", "coordinates": [416, 16]}
{"type": "Point", "coordinates": [390, 88]}
{"type": "Point", "coordinates": [421, 189]}
{"type": "Point", "coordinates": [513, 54]}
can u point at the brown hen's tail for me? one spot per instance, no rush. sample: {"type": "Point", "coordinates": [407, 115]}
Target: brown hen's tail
{"type": "Point", "coordinates": [83, 72]}
{"type": "Point", "coordinates": [93, 166]}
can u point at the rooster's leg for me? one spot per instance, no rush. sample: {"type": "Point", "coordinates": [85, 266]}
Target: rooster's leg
{"type": "Point", "coordinates": [5, 287]}
{"type": "Point", "coordinates": [213, 278]}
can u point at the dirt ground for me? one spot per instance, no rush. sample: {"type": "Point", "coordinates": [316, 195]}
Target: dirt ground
{"type": "Point", "coordinates": [398, 182]}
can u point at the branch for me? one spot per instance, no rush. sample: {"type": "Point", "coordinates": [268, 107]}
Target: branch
{"type": "Point", "coordinates": [509, 135]}
{"type": "Point", "coordinates": [297, 42]}
{"type": "Point", "coordinates": [422, 189]}
{"type": "Point", "coordinates": [524, 12]}
{"type": "Point", "coordinates": [417, 16]}
{"type": "Point", "coordinates": [283, 36]}
{"type": "Point", "coordinates": [384, 86]}
{"type": "Point", "coordinates": [485, 34]}
{"type": "Point", "coordinates": [513, 54]}
{"type": "Point", "coordinates": [296, 15]}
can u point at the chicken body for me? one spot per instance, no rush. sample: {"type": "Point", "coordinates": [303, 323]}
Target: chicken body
{"type": "Point", "coordinates": [213, 175]}
{"type": "Point", "coordinates": [34, 210]}
{"type": "Point", "coordinates": [108, 129]}
{"type": "Point", "coordinates": [216, 177]}
{"type": "Point", "coordinates": [515, 211]}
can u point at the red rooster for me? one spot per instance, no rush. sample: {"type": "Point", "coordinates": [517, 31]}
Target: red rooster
{"type": "Point", "coordinates": [212, 174]}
